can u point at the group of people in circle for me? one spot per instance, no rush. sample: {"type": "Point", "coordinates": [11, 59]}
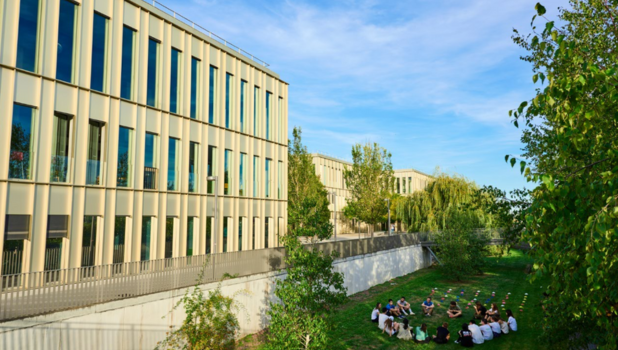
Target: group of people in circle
{"type": "Point", "coordinates": [491, 326]}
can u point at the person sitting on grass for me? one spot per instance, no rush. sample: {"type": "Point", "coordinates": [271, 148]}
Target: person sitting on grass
{"type": "Point", "coordinates": [442, 335]}
{"type": "Point", "coordinates": [488, 334]}
{"type": "Point", "coordinates": [404, 306]}
{"type": "Point", "coordinates": [390, 327]}
{"type": "Point", "coordinates": [504, 326]}
{"type": "Point", "coordinates": [393, 309]}
{"type": "Point", "coordinates": [427, 306]}
{"type": "Point", "coordinates": [511, 320]}
{"type": "Point", "coordinates": [421, 334]}
{"type": "Point", "coordinates": [492, 312]}
{"type": "Point", "coordinates": [405, 331]}
{"type": "Point", "coordinates": [477, 335]}
{"type": "Point", "coordinates": [465, 337]}
{"type": "Point", "coordinates": [375, 314]}
{"type": "Point", "coordinates": [495, 327]}
{"type": "Point", "coordinates": [454, 310]}
{"type": "Point", "coordinates": [383, 317]}
{"type": "Point", "coordinates": [480, 311]}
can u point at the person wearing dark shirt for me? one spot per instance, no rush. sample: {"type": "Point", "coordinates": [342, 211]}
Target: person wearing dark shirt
{"type": "Point", "coordinates": [443, 335]}
{"type": "Point", "coordinates": [480, 311]}
{"type": "Point", "coordinates": [465, 337]}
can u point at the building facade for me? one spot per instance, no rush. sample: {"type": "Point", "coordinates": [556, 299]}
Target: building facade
{"type": "Point", "coordinates": [113, 117]}
{"type": "Point", "coordinates": [408, 181]}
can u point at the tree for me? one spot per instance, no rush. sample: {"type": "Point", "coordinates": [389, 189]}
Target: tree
{"type": "Point", "coordinates": [312, 290]}
{"type": "Point", "coordinates": [369, 180]}
{"type": "Point", "coordinates": [571, 153]}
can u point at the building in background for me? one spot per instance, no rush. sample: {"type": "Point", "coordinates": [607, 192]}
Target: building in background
{"type": "Point", "coordinates": [408, 181]}
{"type": "Point", "coordinates": [113, 114]}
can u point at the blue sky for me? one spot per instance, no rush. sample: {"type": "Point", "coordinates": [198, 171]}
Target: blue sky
{"type": "Point", "coordinates": [430, 80]}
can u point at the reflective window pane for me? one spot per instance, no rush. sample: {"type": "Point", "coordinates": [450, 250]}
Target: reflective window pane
{"type": "Point", "coordinates": [89, 240]}
{"type": "Point", "coordinates": [60, 148]}
{"type": "Point", "coordinates": [175, 73]}
{"type": "Point", "coordinates": [229, 91]}
{"type": "Point", "coordinates": [268, 98]}
{"type": "Point", "coordinates": [119, 239]}
{"type": "Point", "coordinates": [256, 110]}
{"type": "Point", "coordinates": [27, 35]}
{"type": "Point", "coordinates": [151, 90]}
{"type": "Point", "coordinates": [21, 142]}
{"type": "Point", "coordinates": [267, 180]}
{"type": "Point", "coordinates": [66, 41]}
{"type": "Point", "coordinates": [125, 157]}
{"type": "Point", "coordinates": [150, 164]}
{"type": "Point", "coordinates": [212, 153]}
{"type": "Point", "coordinates": [169, 237]}
{"type": "Point", "coordinates": [227, 175]}
{"type": "Point", "coordinates": [172, 164]}
{"type": "Point", "coordinates": [99, 45]}
{"type": "Point", "coordinates": [126, 73]}
{"type": "Point", "coordinates": [146, 231]}
{"type": "Point", "coordinates": [190, 224]}
{"type": "Point", "coordinates": [212, 88]}
{"type": "Point", "coordinates": [193, 166]}
{"type": "Point", "coordinates": [243, 87]}
{"type": "Point", "coordinates": [93, 165]}
{"type": "Point", "coordinates": [242, 175]}
{"type": "Point", "coordinates": [195, 73]}
{"type": "Point", "coordinates": [256, 176]}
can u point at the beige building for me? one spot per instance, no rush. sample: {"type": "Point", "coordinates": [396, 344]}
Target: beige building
{"type": "Point", "coordinates": [408, 181]}
{"type": "Point", "coordinates": [113, 116]}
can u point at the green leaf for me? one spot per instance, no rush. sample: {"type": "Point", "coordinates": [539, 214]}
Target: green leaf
{"type": "Point", "coordinates": [516, 124]}
{"type": "Point", "coordinates": [535, 78]}
{"type": "Point", "coordinates": [540, 9]}
{"type": "Point", "coordinates": [506, 158]}
{"type": "Point", "coordinates": [513, 161]}
{"type": "Point", "coordinates": [522, 166]}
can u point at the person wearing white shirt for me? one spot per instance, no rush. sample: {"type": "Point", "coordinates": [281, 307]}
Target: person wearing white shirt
{"type": "Point", "coordinates": [382, 318]}
{"type": "Point", "coordinates": [511, 320]}
{"type": "Point", "coordinates": [495, 327]}
{"type": "Point", "coordinates": [477, 335]}
{"type": "Point", "coordinates": [488, 334]}
{"type": "Point", "coordinates": [376, 313]}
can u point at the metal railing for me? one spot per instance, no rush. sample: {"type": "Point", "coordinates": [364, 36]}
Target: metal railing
{"type": "Point", "coordinates": [150, 178]}
{"type": "Point", "coordinates": [210, 34]}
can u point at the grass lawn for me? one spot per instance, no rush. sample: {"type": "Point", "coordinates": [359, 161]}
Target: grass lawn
{"type": "Point", "coordinates": [354, 330]}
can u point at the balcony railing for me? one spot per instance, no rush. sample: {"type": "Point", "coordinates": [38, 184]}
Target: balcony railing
{"type": "Point", "coordinates": [150, 178]}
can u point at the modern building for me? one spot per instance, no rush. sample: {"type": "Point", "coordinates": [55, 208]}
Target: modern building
{"type": "Point", "coordinates": [408, 181]}
{"type": "Point", "coordinates": [114, 115]}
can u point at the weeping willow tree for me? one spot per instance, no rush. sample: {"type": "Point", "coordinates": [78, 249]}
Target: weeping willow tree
{"type": "Point", "coordinates": [427, 210]}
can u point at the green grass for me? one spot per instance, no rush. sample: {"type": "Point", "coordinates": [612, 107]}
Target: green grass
{"type": "Point", "coordinates": [354, 330]}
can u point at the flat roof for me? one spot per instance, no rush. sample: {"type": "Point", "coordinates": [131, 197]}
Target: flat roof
{"type": "Point", "coordinates": [349, 163]}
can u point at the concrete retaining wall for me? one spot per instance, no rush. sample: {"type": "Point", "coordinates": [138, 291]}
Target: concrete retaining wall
{"type": "Point", "coordinates": [138, 323]}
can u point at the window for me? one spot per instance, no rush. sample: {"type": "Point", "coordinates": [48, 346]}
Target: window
{"type": "Point", "coordinates": [195, 76]}
{"type": "Point", "coordinates": [227, 175]}
{"type": "Point", "coordinates": [151, 88]}
{"type": "Point", "coordinates": [169, 237]}
{"type": "Point", "coordinates": [242, 176]}
{"type": "Point", "coordinates": [60, 148]}
{"type": "Point", "coordinates": [126, 72]}
{"type": "Point", "coordinates": [125, 157]}
{"type": "Point", "coordinates": [404, 185]}
{"type": "Point", "coordinates": [243, 108]}
{"type": "Point", "coordinates": [280, 180]}
{"type": "Point", "coordinates": [256, 176]}
{"type": "Point", "coordinates": [256, 221]}
{"type": "Point", "coordinates": [89, 240]}
{"type": "Point", "coordinates": [27, 33]}
{"type": "Point", "coordinates": [194, 154]}
{"type": "Point", "coordinates": [268, 102]}
{"type": "Point", "coordinates": [226, 221]}
{"type": "Point", "coordinates": [240, 228]}
{"type": "Point", "coordinates": [93, 164]}
{"type": "Point", "coordinates": [146, 230]}
{"type": "Point", "coordinates": [212, 163]}
{"type": "Point", "coordinates": [99, 48]}
{"type": "Point", "coordinates": [280, 124]}
{"type": "Point", "coordinates": [21, 142]}
{"type": "Point", "coordinates": [120, 229]}
{"type": "Point", "coordinates": [409, 185]}
{"type": "Point", "coordinates": [190, 223]}
{"type": "Point", "coordinates": [66, 41]}
{"type": "Point", "coordinates": [150, 162]}
{"type": "Point", "coordinates": [16, 230]}
{"type": "Point", "coordinates": [256, 110]}
{"type": "Point", "coordinates": [267, 182]}
{"type": "Point", "coordinates": [229, 97]}
{"type": "Point", "coordinates": [266, 231]}
{"type": "Point", "coordinates": [172, 164]}
{"type": "Point", "coordinates": [209, 226]}
{"type": "Point", "coordinates": [57, 231]}
{"type": "Point", "coordinates": [174, 91]}
{"type": "Point", "coordinates": [212, 93]}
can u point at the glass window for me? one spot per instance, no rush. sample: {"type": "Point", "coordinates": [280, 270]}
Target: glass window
{"type": "Point", "coordinates": [409, 185]}
{"type": "Point", "coordinates": [242, 175]}
{"type": "Point", "coordinates": [280, 180]}
{"type": "Point", "coordinates": [151, 88]}
{"type": "Point", "coordinates": [27, 33]}
{"type": "Point", "coordinates": [240, 228]}
{"type": "Point", "coordinates": [21, 142]}
{"type": "Point", "coordinates": [190, 223]}
{"type": "Point", "coordinates": [226, 220]}
{"type": "Point", "coordinates": [16, 230]}
{"type": "Point", "coordinates": [89, 240]}
{"type": "Point", "coordinates": [280, 133]}
{"type": "Point", "coordinates": [268, 102]}
{"type": "Point", "coordinates": [227, 175]}
{"type": "Point", "coordinates": [256, 176]}
{"type": "Point", "coordinates": [212, 94]}
{"type": "Point", "coordinates": [256, 221]}
{"type": "Point", "coordinates": [169, 237]}
{"type": "Point", "coordinates": [99, 48]}
{"type": "Point", "coordinates": [212, 163]}
{"type": "Point", "coordinates": [243, 109]}
{"type": "Point", "coordinates": [194, 153]}
{"type": "Point", "coordinates": [126, 72]}
{"type": "Point", "coordinates": [256, 110]}
{"type": "Point", "coordinates": [150, 162]}
{"type": "Point", "coordinates": [125, 157]}
{"type": "Point", "coordinates": [120, 229]}
{"type": "Point", "coordinates": [229, 97]}
{"type": "Point", "coordinates": [146, 230]}
{"type": "Point", "coordinates": [93, 165]}
{"type": "Point", "coordinates": [195, 76]}
{"type": "Point", "coordinates": [267, 182]}
{"type": "Point", "coordinates": [60, 148]}
{"type": "Point", "coordinates": [209, 225]}
{"type": "Point", "coordinates": [57, 231]}
{"type": "Point", "coordinates": [66, 41]}
{"type": "Point", "coordinates": [174, 90]}
{"type": "Point", "coordinates": [172, 164]}
{"type": "Point", "coordinates": [266, 231]}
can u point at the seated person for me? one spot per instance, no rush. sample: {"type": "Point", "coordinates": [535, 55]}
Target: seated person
{"type": "Point", "coordinates": [427, 306]}
{"type": "Point", "coordinates": [495, 327]}
{"type": "Point", "coordinates": [405, 331]}
{"type": "Point", "coordinates": [511, 320]}
{"type": "Point", "coordinates": [465, 337]}
{"type": "Point", "coordinates": [421, 334]}
{"type": "Point", "coordinates": [383, 317]}
{"type": "Point", "coordinates": [375, 314]}
{"type": "Point", "coordinates": [488, 334]}
{"type": "Point", "coordinates": [390, 327]}
{"type": "Point", "coordinates": [454, 310]}
{"type": "Point", "coordinates": [442, 335]}
{"type": "Point", "coordinates": [404, 306]}
{"type": "Point", "coordinates": [477, 336]}
{"type": "Point", "coordinates": [393, 309]}
{"type": "Point", "coordinates": [492, 312]}
{"type": "Point", "coordinates": [480, 311]}
{"type": "Point", "coordinates": [504, 326]}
